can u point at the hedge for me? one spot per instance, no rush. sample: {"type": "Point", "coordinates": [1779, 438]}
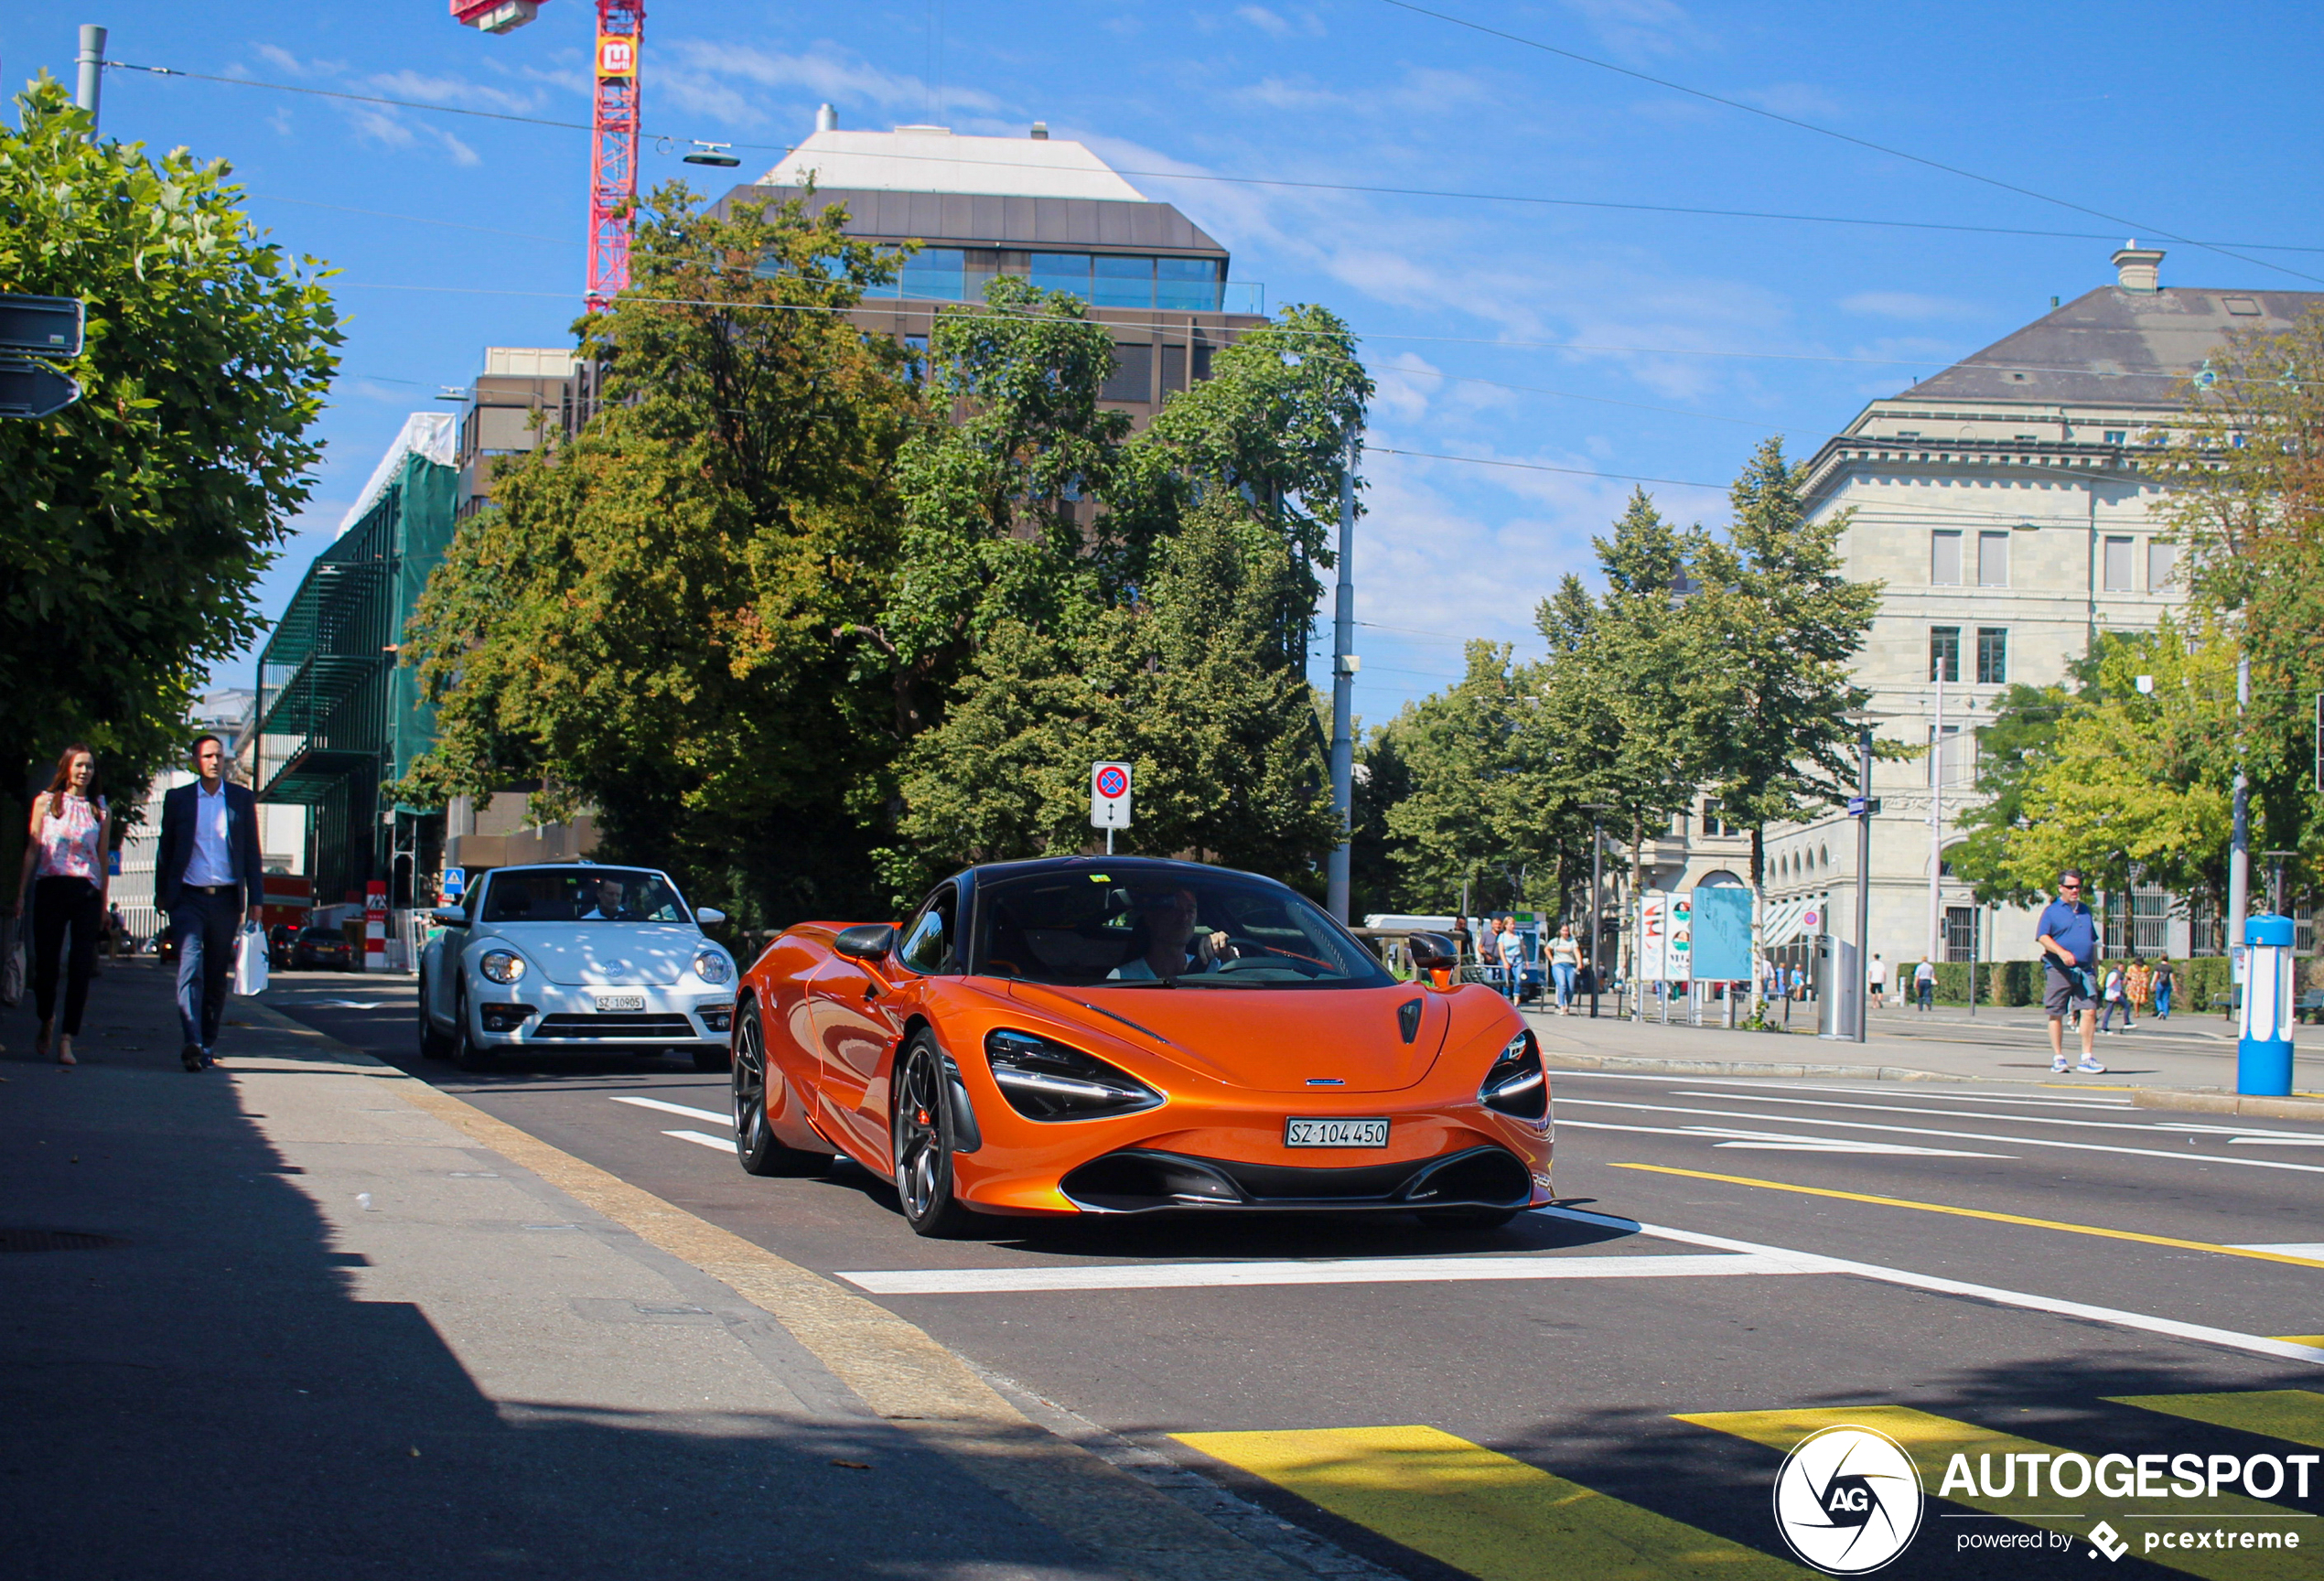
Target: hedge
{"type": "Point", "coordinates": [2019, 982]}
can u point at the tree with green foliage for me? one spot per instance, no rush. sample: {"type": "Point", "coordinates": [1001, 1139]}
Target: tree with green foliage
{"type": "Point", "coordinates": [2245, 475]}
{"type": "Point", "coordinates": [1774, 623]}
{"type": "Point", "coordinates": [1482, 813]}
{"type": "Point", "coordinates": [135, 524]}
{"type": "Point", "coordinates": [1068, 592]}
{"type": "Point", "coordinates": [643, 620]}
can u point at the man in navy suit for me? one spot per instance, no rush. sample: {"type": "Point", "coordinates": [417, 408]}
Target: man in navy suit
{"type": "Point", "coordinates": [208, 878]}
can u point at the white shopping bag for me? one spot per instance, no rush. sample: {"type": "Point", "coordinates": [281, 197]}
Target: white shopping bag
{"type": "Point", "coordinates": [250, 959]}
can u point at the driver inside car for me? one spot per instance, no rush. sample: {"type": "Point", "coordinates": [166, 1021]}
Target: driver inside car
{"type": "Point", "coordinates": [1174, 943]}
{"type": "Point", "coordinates": [610, 906]}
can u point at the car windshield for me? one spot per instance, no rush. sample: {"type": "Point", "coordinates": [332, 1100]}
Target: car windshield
{"type": "Point", "coordinates": [582, 895]}
{"type": "Point", "coordinates": [1183, 928]}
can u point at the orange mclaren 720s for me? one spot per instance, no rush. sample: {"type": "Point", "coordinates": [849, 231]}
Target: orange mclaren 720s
{"type": "Point", "coordinates": [1088, 1035]}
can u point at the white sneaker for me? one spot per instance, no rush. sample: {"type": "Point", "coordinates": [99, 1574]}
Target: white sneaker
{"type": "Point", "coordinates": [2090, 1067]}
{"type": "Point", "coordinates": [2059, 1066]}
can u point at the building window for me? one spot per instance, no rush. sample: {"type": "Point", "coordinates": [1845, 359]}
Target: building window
{"type": "Point", "coordinates": [1953, 762]}
{"type": "Point", "coordinates": [1712, 824]}
{"type": "Point", "coordinates": [1945, 558]}
{"type": "Point", "coordinates": [2118, 436]}
{"type": "Point", "coordinates": [2117, 567]}
{"type": "Point", "coordinates": [2162, 561]}
{"type": "Point", "coordinates": [1992, 655]}
{"type": "Point", "coordinates": [934, 273]}
{"type": "Point", "coordinates": [1068, 272]}
{"type": "Point", "coordinates": [916, 357]}
{"type": "Point", "coordinates": [1944, 652]}
{"type": "Point", "coordinates": [1961, 932]}
{"type": "Point", "coordinates": [1133, 375]}
{"type": "Point", "coordinates": [2149, 920]}
{"type": "Point", "coordinates": [1992, 559]}
{"type": "Point", "coordinates": [1186, 284]}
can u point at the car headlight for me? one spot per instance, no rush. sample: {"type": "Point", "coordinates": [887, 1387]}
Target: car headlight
{"type": "Point", "coordinates": [1517, 1084]}
{"type": "Point", "coordinates": [712, 966]}
{"type": "Point", "coordinates": [502, 965]}
{"type": "Point", "coordinates": [1046, 1081]}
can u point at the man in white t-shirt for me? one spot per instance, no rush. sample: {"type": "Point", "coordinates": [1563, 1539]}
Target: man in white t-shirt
{"type": "Point", "coordinates": [1924, 984]}
{"type": "Point", "coordinates": [1877, 980]}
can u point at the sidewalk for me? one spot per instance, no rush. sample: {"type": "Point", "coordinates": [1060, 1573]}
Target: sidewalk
{"type": "Point", "coordinates": [2185, 1054]}
{"type": "Point", "coordinates": [303, 1314]}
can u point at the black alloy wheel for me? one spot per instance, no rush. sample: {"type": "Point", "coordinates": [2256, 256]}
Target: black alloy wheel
{"type": "Point", "coordinates": [433, 1045]}
{"type": "Point", "coordinates": [756, 1144]}
{"type": "Point", "coordinates": [467, 1052]}
{"type": "Point", "coordinates": [923, 1139]}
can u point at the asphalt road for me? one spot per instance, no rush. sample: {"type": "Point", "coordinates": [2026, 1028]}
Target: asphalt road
{"type": "Point", "coordinates": [1682, 1279]}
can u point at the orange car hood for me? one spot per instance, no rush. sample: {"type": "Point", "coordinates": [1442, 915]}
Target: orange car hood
{"type": "Point", "coordinates": [1265, 1040]}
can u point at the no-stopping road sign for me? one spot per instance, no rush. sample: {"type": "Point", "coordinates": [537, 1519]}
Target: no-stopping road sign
{"type": "Point", "coordinates": [1109, 796]}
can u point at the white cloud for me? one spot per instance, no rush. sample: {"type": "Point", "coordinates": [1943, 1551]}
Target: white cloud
{"type": "Point", "coordinates": [1799, 100]}
{"type": "Point", "coordinates": [284, 60]}
{"type": "Point", "coordinates": [712, 77]}
{"type": "Point", "coordinates": [1642, 28]}
{"type": "Point", "coordinates": [1275, 25]}
{"type": "Point", "coordinates": [452, 90]}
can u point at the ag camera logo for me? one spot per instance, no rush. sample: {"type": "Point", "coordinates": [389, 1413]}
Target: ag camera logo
{"type": "Point", "coordinates": [1848, 1500]}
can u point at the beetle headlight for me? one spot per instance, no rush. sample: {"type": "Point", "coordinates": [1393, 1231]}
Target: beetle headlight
{"type": "Point", "coordinates": [1046, 1081]}
{"type": "Point", "coordinates": [1517, 1084]}
{"type": "Point", "coordinates": [712, 966]}
{"type": "Point", "coordinates": [502, 965]}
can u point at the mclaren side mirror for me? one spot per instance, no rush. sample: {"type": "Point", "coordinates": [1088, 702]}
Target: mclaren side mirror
{"type": "Point", "coordinates": [450, 915]}
{"type": "Point", "coordinates": [1436, 955]}
{"type": "Point", "coordinates": [866, 941]}
{"type": "Point", "coordinates": [708, 916]}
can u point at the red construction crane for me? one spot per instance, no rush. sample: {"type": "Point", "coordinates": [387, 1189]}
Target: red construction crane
{"type": "Point", "coordinates": [613, 140]}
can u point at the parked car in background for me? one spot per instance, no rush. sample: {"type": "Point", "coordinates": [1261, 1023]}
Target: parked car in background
{"type": "Point", "coordinates": [321, 948]}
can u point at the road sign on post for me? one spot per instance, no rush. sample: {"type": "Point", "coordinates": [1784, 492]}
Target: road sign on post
{"type": "Point", "coordinates": [1109, 799]}
{"type": "Point", "coordinates": [29, 390]}
{"type": "Point", "coordinates": [41, 326]}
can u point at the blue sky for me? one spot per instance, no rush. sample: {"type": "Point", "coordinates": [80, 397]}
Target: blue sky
{"type": "Point", "coordinates": [1601, 340]}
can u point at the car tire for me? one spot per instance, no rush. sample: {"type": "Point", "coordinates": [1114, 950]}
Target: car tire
{"type": "Point", "coordinates": [760, 1151]}
{"type": "Point", "coordinates": [922, 1132]}
{"type": "Point", "coordinates": [1467, 1217]}
{"type": "Point", "coordinates": [467, 1052]}
{"type": "Point", "coordinates": [433, 1045]}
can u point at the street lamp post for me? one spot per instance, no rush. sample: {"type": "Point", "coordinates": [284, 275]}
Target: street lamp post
{"type": "Point", "coordinates": [1597, 810]}
{"type": "Point", "coordinates": [1863, 719]}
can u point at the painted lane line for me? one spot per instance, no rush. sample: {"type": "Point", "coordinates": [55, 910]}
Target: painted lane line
{"type": "Point", "coordinates": [2070, 1104]}
{"type": "Point", "coordinates": [2201, 1333]}
{"type": "Point", "coordinates": [710, 1114]}
{"type": "Point", "coordinates": [1792, 1084]}
{"type": "Point", "coordinates": [1958, 1136]}
{"type": "Point", "coordinates": [1350, 1271]}
{"type": "Point", "coordinates": [2295, 1416]}
{"type": "Point", "coordinates": [1478, 1512]}
{"type": "Point", "coordinates": [720, 1143]}
{"type": "Point", "coordinates": [2288, 1248]}
{"type": "Point", "coordinates": [2276, 1141]}
{"type": "Point", "coordinates": [2144, 1125]}
{"type": "Point", "coordinates": [2263, 1253]}
{"type": "Point", "coordinates": [1777, 1139]}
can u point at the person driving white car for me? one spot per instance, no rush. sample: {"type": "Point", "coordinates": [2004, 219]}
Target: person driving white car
{"type": "Point", "coordinates": [610, 906]}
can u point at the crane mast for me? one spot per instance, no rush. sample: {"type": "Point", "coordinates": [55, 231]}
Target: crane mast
{"type": "Point", "coordinates": [613, 135]}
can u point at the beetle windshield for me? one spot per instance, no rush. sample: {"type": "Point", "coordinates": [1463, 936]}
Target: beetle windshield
{"type": "Point", "coordinates": [1176, 928]}
{"type": "Point", "coordinates": [582, 895]}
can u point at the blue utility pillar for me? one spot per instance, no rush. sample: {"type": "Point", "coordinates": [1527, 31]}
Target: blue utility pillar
{"type": "Point", "coordinates": [2264, 1055]}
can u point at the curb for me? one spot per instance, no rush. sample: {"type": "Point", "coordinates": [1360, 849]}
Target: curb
{"type": "Point", "coordinates": [2229, 1104]}
{"type": "Point", "coordinates": [1650, 1064]}
{"type": "Point", "coordinates": [896, 1368]}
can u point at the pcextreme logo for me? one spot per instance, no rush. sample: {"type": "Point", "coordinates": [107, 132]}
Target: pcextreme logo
{"type": "Point", "coordinates": [1848, 1500]}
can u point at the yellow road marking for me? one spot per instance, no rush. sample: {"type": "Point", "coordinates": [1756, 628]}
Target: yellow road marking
{"type": "Point", "coordinates": [2315, 1340]}
{"type": "Point", "coordinates": [1469, 1507]}
{"type": "Point", "coordinates": [2294, 1415]}
{"type": "Point", "coordinates": [1982, 1214]}
{"type": "Point", "coordinates": [1932, 1442]}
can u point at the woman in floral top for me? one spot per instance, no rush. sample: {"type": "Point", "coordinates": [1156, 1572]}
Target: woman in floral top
{"type": "Point", "coordinates": [65, 867]}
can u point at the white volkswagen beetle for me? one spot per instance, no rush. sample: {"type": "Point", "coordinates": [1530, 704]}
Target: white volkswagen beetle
{"type": "Point", "coordinates": [574, 955]}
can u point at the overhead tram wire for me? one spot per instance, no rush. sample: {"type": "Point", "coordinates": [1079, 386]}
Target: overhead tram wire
{"type": "Point", "coordinates": [1793, 121]}
{"type": "Point", "coordinates": [1362, 188]}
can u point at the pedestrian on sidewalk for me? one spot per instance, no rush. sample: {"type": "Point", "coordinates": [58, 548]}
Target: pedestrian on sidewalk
{"type": "Point", "coordinates": [2068, 935]}
{"type": "Point", "coordinates": [1924, 984]}
{"type": "Point", "coordinates": [2138, 985]}
{"type": "Point", "coordinates": [2161, 988]}
{"type": "Point", "coordinates": [207, 877]}
{"type": "Point", "coordinates": [1565, 966]}
{"type": "Point", "coordinates": [1509, 949]}
{"type": "Point", "coordinates": [1878, 981]}
{"type": "Point", "coordinates": [65, 867]}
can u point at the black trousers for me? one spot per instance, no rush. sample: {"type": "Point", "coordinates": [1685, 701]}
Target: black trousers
{"type": "Point", "coordinates": [60, 904]}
